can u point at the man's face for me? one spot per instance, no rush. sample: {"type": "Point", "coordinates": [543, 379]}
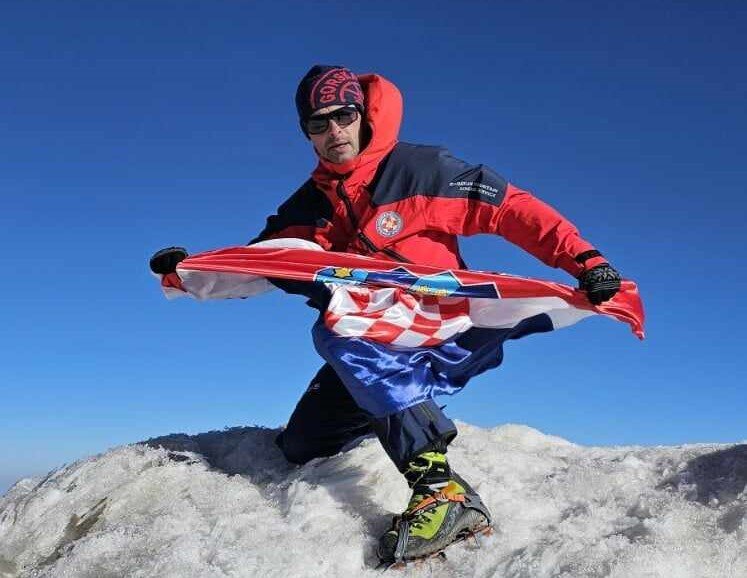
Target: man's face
{"type": "Point", "coordinates": [338, 144]}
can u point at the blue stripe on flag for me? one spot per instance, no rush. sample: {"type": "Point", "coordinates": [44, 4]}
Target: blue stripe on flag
{"type": "Point", "coordinates": [384, 379]}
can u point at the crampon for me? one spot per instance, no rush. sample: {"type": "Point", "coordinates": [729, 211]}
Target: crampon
{"type": "Point", "coordinates": [439, 555]}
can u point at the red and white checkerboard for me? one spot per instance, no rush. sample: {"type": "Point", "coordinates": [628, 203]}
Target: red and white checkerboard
{"type": "Point", "coordinates": [394, 316]}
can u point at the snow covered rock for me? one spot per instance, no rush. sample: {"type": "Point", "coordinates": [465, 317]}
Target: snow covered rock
{"type": "Point", "coordinates": [226, 504]}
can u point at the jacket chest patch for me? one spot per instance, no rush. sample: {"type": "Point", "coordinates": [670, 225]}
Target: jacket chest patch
{"type": "Point", "coordinates": [389, 223]}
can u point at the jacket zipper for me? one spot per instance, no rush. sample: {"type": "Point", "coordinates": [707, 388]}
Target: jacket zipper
{"type": "Point", "coordinates": [356, 226]}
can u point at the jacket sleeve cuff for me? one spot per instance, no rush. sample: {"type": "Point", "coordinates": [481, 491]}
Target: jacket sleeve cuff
{"type": "Point", "coordinates": [589, 259]}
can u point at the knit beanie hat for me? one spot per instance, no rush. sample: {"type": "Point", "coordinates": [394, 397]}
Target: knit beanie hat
{"type": "Point", "coordinates": [325, 85]}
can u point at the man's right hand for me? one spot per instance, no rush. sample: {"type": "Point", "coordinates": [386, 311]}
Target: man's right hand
{"type": "Point", "coordinates": [165, 261]}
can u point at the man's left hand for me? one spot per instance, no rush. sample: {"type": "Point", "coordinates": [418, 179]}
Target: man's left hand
{"type": "Point", "coordinates": [600, 283]}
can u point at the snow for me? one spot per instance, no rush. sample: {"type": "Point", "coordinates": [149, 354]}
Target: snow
{"type": "Point", "coordinates": [226, 504]}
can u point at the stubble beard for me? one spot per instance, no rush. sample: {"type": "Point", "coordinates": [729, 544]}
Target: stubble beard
{"type": "Point", "coordinates": [345, 154]}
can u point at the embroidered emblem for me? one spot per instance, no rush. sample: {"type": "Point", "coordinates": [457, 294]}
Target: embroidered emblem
{"type": "Point", "coordinates": [389, 224]}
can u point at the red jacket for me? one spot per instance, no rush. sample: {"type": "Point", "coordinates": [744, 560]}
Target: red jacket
{"type": "Point", "coordinates": [409, 202]}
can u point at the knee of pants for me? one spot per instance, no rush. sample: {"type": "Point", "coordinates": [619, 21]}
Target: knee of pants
{"type": "Point", "coordinates": [293, 451]}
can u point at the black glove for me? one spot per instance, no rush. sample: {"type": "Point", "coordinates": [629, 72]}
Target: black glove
{"type": "Point", "coordinates": [165, 261]}
{"type": "Point", "coordinates": [600, 283]}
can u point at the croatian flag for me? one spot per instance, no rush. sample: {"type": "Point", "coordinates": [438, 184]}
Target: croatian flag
{"type": "Point", "coordinates": [398, 334]}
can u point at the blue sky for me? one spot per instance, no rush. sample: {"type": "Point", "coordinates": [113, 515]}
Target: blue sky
{"type": "Point", "coordinates": [126, 127]}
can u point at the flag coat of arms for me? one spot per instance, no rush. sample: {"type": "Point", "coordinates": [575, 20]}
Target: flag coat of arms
{"type": "Point", "coordinates": [398, 334]}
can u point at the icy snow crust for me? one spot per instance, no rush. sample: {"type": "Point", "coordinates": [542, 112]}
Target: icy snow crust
{"type": "Point", "coordinates": [226, 504]}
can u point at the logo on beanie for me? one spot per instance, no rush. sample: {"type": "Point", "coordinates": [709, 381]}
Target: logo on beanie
{"type": "Point", "coordinates": [389, 224]}
{"type": "Point", "coordinates": [337, 86]}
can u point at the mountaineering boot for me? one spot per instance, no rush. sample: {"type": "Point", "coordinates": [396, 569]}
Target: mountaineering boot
{"type": "Point", "coordinates": [443, 509]}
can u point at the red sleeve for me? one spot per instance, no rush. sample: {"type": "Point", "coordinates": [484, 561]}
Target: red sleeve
{"type": "Point", "coordinates": [474, 199]}
{"type": "Point", "coordinates": [306, 214]}
{"type": "Point", "coordinates": [539, 229]}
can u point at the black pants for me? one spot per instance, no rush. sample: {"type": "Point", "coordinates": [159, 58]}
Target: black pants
{"type": "Point", "coordinates": [327, 418]}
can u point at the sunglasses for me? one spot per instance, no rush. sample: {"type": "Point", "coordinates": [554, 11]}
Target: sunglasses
{"type": "Point", "coordinates": [319, 123]}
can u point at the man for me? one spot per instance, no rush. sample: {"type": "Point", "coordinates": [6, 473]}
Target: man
{"type": "Point", "coordinates": [373, 195]}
